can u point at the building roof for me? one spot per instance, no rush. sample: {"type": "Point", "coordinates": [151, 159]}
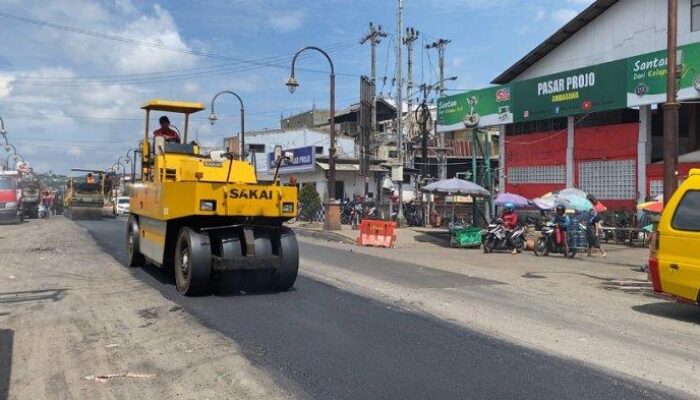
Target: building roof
{"type": "Point", "coordinates": [385, 111]}
{"type": "Point", "coordinates": [559, 37]}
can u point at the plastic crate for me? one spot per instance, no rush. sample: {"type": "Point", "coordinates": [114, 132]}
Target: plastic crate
{"type": "Point", "coordinates": [466, 237]}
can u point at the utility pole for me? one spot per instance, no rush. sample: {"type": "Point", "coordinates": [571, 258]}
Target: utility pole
{"type": "Point", "coordinates": [374, 37]}
{"type": "Point", "coordinates": [399, 107]}
{"type": "Point", "coordinates": [411, 37]}
{"type": "Point", "coordinates": [440, 45]}
{"type": "Point", "coordinates": [423, 123]}
{"type": "Point", "coordinates": [671, 107]}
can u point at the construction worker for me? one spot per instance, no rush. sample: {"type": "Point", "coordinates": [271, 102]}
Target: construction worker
{"type": "Point", "coordinates": [170, 135]}
{"type": "Point", "coordinates": [90, 178]}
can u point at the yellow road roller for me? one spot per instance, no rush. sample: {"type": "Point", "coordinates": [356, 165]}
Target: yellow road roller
{"type": "Point", "coordinates": [206, 215]}
{"type": "Point", "coordinates": [84, 197]}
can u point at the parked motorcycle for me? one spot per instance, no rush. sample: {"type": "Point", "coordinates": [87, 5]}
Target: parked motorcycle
{"type": "Point", "coordinates": [494, 238]}
{"type": "Point", "coordinates": [346, 212]}
{"type": "Point", "coordinates": [547, 243]}
{"type": "Point", "coordinates": [412, 214]}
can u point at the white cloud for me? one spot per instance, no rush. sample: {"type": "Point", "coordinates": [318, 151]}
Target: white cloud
{"type": "Point", "coordinates": [286, 21]}
{"type": "Point", "coordinates": [564, 15]}
{"type": "Point", "coordinates": [5, 82]}
{"type": "Point", "coordinates": [191, 88]}
{"type": "Point", "coordinates": [581, 2]}
{"type": "Point", "coordinates": [159, 29]}
{"type": "Point", "coordinates": [540, 14]}
{"type": "Point", "coordinates": [59, 120]}
{"type": "Point", "coordinates": [75, 151]}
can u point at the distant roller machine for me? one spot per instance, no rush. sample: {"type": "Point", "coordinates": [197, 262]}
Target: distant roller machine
{"type": "Point", "coordinates": [85, 195]}
{"type": "Point", "coordinates": [207, 216]}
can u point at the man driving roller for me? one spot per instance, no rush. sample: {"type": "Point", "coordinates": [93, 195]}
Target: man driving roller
{"type": "Point", "coordinates": [170, 135]}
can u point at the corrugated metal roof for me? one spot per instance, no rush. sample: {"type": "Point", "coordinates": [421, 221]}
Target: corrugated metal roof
{"type": "Point", "coordinates": [559, 37]}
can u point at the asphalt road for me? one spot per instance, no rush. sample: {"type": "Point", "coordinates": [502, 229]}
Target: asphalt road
{"type": "Point", "coordinates": [322, 342]}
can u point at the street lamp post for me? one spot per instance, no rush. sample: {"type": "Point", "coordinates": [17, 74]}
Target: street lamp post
{"type": "Point", "coordinates": [332, 218]}
{"type": "Point", "coordinates": [123, 177]}
{"type": "Point", "coordinates": [3, 132]}
{"type": "Point", "coordinates": [212, 119]}
{"type": "Point", "coordinates": [9, 146]}
{"type": "Point", "coordinates": [16, 157]}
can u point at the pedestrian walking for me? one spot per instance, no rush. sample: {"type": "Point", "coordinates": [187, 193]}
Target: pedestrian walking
{"type": "Point", "coordinates": [593, 229]}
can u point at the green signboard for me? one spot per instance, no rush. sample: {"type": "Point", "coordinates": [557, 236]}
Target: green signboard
{"type": "Point", "coordinates": [646, 76]}
{"type": "Point", "coordinates": [630, 82]}
{"type": "Point", "coordinates": [584, 90]}
{"type": "Point", "coordinates": [478, 108]}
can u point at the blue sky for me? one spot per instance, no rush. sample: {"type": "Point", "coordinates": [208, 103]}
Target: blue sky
{"type": "Point", "coordinates": [72, 100]}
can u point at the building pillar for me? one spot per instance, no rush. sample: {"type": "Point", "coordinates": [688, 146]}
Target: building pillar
{"type": "Point", "coordinates": [570, 167]}
{"type": "Point", "coordinates": [502, 159]}
{"type": "Point", "coordinates": [643, 151]}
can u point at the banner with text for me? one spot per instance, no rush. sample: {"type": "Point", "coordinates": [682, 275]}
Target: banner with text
{"type": "Point", "coordinates": [478, 108]}
{"type": "Point", "coordinates": [646, 76]}
{"type": "Point", "coordinates": [630, 82]}
{"type": "Point", "coordinates": [591, 89]}
{"type": "Point", "coordinates": [303, 160]}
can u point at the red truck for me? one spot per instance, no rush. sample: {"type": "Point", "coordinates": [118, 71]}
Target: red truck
{"type": "Point", "coordinates": [10, 201]}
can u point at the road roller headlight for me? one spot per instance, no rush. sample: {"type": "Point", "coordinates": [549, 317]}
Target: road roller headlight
{"type": "Point", "coordinates": [207, 205]}
{"type": "Point", "coordinates": [11, 205]}
{"type": "Point", "coordinates": [287, 208]}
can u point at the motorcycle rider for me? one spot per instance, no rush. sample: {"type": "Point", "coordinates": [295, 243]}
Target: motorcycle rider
{"type": "Point", "coordinates": [510, 222]}
{"type": "Point", "coordinates": [563, 221]}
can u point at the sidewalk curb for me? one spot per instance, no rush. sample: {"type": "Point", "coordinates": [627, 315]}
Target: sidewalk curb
{"type": "Point", "coordinates": [323, 235]}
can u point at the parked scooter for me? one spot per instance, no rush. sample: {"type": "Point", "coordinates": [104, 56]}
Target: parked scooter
{"type": "Point", "coordinates": [494, 238]}
{"type": "Point", "coordinates": [547, 243]}
{"type": "Point", "coordinates": [346, 211]}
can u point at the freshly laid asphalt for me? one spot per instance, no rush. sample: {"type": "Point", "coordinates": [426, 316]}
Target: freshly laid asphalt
{"type": "Point", "coordinates": [322, 342]}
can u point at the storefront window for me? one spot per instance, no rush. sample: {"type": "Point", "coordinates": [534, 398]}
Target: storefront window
{"type": "Point", "coordinates": [695, 15]}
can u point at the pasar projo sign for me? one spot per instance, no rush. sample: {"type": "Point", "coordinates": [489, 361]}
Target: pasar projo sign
{"type": "Point", "coordinates": [590, 89]}
{"type": "Point", "coordinates": [303, 160]}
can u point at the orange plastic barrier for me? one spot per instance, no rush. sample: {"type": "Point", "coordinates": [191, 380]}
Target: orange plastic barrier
{"type": "Point", "coordinates": [377, 233]}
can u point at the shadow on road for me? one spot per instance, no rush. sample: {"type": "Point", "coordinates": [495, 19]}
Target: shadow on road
{"type": "Point", "coordinates": [249, 283]}
{"type": "Point", "coordinates": [53, 295]}
{"type": "Point", "coordinates": [6, 343]}
{"type": "Point", "coordinates": [671, 310]}
{"type": "Point", "coordinates": [441, 239]}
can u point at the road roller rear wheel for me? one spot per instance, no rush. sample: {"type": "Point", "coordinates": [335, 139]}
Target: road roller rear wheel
{"type": "Point", "coordinates": [286, 272]}
{"type": "Point", "coordinates": [133, 251]}
{"type": "Point", "coordinates": [192, 262]}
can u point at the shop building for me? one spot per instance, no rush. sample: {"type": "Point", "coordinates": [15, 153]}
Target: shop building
{"type": "Point", "coordinates": [583, 109]}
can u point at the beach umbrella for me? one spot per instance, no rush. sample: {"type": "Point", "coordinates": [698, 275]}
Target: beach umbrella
{"type": "Point", "coordinates": [599, 207]}
{"type": "Point", "coordinates": [572, 192]}
{"type": "Point", "coordinates": [456, 186]}
{"type": "Point", "coordinates": [516, 199]}
{"type": "Point", "coordinates": [545, 202]}
{"type": "Point", "coordinates": [651, 206]}
{"type": "Point", "coordinates": [576, 202]}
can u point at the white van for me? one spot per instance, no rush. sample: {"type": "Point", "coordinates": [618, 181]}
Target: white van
{"type": "Point", "coordinates": [122, 205]}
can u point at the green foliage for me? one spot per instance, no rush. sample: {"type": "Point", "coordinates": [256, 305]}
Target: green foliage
{"type": "Point", "coordinates": [310, 202]}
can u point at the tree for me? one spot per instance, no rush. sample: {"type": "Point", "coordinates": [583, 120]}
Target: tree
{"type": "Point", "coordinates": [310, 202]}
